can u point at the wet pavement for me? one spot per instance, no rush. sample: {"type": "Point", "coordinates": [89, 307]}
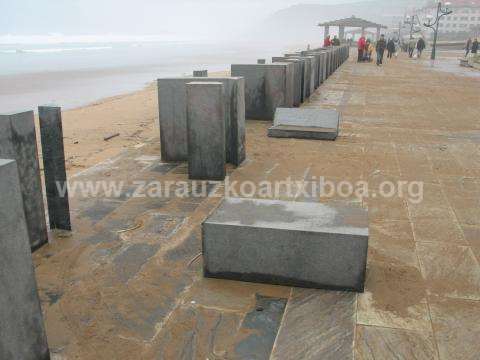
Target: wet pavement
{"type": "Point", "coordinates": [128, 284]}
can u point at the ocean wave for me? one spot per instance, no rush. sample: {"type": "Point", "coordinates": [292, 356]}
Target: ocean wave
{"type": "Point", "coordinates": [10, 39]}
{"type": "Point", "coordinates": [54, 50]}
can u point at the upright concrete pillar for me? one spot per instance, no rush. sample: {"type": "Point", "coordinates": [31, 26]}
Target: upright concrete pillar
{"type": "Point", "coordinates": [200, 73]}
{"type": "Point", "coordinates": [18, 141]}
{"type": "Point", "coordinates": [308, 77]}
{"type": "Point", "coordinates": [267, 87]}
{"type": "Point", "coordinates": [341, 33]}
{"type": "Point", "coordinates": [297, 77]}
{"type": "Point", "coordinates": [327, 30]}
{"type": "Point", "coordinates": [22, 333]}
{"type": "Point", "coordinates": [315, 56]}
{"type": "Point", "coordinates": [206, 129]}
{"type": "Point", "coordinates": [50, 118]}
{"type": "Point", "coordinates": [172, 104]}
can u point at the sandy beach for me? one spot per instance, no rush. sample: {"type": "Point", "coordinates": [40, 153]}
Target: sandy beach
{"type": "Point", "coordinates": [134, 116]}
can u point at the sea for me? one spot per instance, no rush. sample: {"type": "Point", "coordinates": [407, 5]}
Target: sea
{"type": "Point", "coordinates": [74, 74]}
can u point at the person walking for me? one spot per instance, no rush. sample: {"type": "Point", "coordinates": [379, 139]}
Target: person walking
{"type": "Point", "coordinates": [336, 41]}
{"type": "Point", "coordinates": [411, 47]}
{"type": "Point", "coordinates": [390, 48]}
{"type": "Point", "coordinates": [468, 46]}
{"type": "Point", "coordinates": [475, 46]}
{"type": "Point", "coordinates": [380, 48]}
{"type": "Point", "coordinates": [361, 48]}
{"type": "Point", "coordinates": [327, 42]}
{"type": "Point", "coordinates": [420, 47]}
{"type": "Point", "coordinates": [369, 50]}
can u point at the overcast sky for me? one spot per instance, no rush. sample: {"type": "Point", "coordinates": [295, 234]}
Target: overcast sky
{"type": "Point", "coordinates": [137, 17]}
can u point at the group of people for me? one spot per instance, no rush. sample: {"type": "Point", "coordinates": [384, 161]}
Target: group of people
{"type": "Point", "coordinates": [366, 48]}
{"type": "Point", "coordinates": [331, 42]}
{"type": "Point", "coordinates": [471, 47]}
{"type": "Point", "coordinates": [418, 45]}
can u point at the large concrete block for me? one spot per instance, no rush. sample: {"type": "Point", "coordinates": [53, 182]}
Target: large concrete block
{"type": "Point", "coordinates": [22, 333]}
{"type": "Point", "coordinates": [297, 78]}
{"type": "Point", "coordinates": [314, 124]}
{"type": "Point", "coordinates": [173, 117]}
{"type": "Point", "coordinates": [50, 118]}
{"type": "Point", "coordinates": [18, 141]}
{"type": "Point", "coordinates": [323, 67]}
{"type": "Point", "coordinates": [206, 129]}
{"type": "Point", "coordinates": [266, 88]}
{"type": "Point", "coordinates": [308, 84]}
{"type": "Point", "coordinates": [315, 66]}
{"type": "Point", "coordinates": [287, 243]}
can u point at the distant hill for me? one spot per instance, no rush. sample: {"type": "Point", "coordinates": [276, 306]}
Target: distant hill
{"type": "Point", "coordinates": [298, 23]}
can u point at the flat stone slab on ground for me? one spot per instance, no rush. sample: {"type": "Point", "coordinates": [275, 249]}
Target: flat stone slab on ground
{"type": "Point", "coordinates": [315, 124]}
{"type": "Point", "coordinates": [287, 243]}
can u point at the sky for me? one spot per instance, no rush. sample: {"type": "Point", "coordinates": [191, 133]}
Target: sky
{"type": "Point", "coordinates": [181, 18]}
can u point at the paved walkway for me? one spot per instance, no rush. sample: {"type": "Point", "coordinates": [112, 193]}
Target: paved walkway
{"type": "Point", "coordinates": [128, 283]}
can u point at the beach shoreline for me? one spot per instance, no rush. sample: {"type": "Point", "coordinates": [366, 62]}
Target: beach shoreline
{"type": "Point", "coordinates": [133, 115]}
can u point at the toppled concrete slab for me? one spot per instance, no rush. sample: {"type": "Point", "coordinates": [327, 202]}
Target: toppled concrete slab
{"type": "Point", "coordinates": [287, 243]}
{"type": "Point", "coordinates": [314, 124]}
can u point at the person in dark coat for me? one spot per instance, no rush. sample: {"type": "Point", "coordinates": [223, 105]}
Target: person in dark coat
{"type": "Point", "coordinates": [475, 46]}
{"type": "Point", "coordinates": [468, 46]}
{"type": "Point", "coordinates": [390, 48]}
{"type": "Point", "coordinates": [380, 48]}
{"type": "Point", "coordinates": [420, 47]}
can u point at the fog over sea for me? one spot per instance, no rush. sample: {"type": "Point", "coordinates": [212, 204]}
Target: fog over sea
{"type": "Point", "coordinates": [76, 71]}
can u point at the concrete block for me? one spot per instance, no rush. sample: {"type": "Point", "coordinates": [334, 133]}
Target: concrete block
{"type": "Point", "coordinates": [50, 118]}
{"type": "Point", "coordinates": [206, 129]}
{"type": "Point", "coordinates": [323, 65]}
{"type": "Point", "coordinates": [297, 78]}
{"type": "Point", "coordinates": [308, 75]}
{"type": "Point", "coordinates": [200, 73]}
{"type": "Point", "coordinates": [314, 124]}
{"type": "Point", "coordinates": [21, 322]}
{"type": "Point", "coordinates": [261, 61]}
{"type": "Point", "coordinates": [287, 243]}
{"type": "Point", "coordinates": [266, 88]}
{"type": "Point", "coordinates": [172, 106]}
{"type": "Point", "coordinates": [18, 141]}
{"type": "Point", "coordinates": [315, 66]}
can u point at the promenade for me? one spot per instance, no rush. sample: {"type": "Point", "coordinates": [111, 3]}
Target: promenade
{"type": "Point", "coordinates": [128, 284]}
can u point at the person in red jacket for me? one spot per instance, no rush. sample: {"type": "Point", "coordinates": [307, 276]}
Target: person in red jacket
{"type": "Point", "coordinates": [327, 42]}
{"type": "Point", "coordinates": [361, 47]}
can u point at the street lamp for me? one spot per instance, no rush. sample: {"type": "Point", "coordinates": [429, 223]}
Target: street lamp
{"type": "Point", "coordinates": [433, 24]}
{"type": "Point", "coordinates": [412, 23]}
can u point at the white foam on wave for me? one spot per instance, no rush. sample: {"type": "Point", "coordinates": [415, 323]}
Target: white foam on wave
{"type": "Point", "coordinates": [52, 39]}
{"type": "Point", "coordinates": [54, 50]}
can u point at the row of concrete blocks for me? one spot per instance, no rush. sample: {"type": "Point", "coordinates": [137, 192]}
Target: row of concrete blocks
{"type": "Point", "coordinates": [289, 81]}
{"type": "Point", "coordinates": [18, 142]}
{"type": "Point", "coordinates": [202, 121]}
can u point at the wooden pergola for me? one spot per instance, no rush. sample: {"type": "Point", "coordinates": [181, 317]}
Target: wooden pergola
{"type": "Point", "coordinates": [351, 22]}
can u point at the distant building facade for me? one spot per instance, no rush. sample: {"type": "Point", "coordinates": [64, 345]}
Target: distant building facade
{"type": "Point", "coordinates": [465, 20]}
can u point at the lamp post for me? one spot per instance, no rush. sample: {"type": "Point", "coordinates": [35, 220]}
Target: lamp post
{"type": "Point", "coordinates": [433, 24]}
{"type": "Point", "coordinates": [411, 21]}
